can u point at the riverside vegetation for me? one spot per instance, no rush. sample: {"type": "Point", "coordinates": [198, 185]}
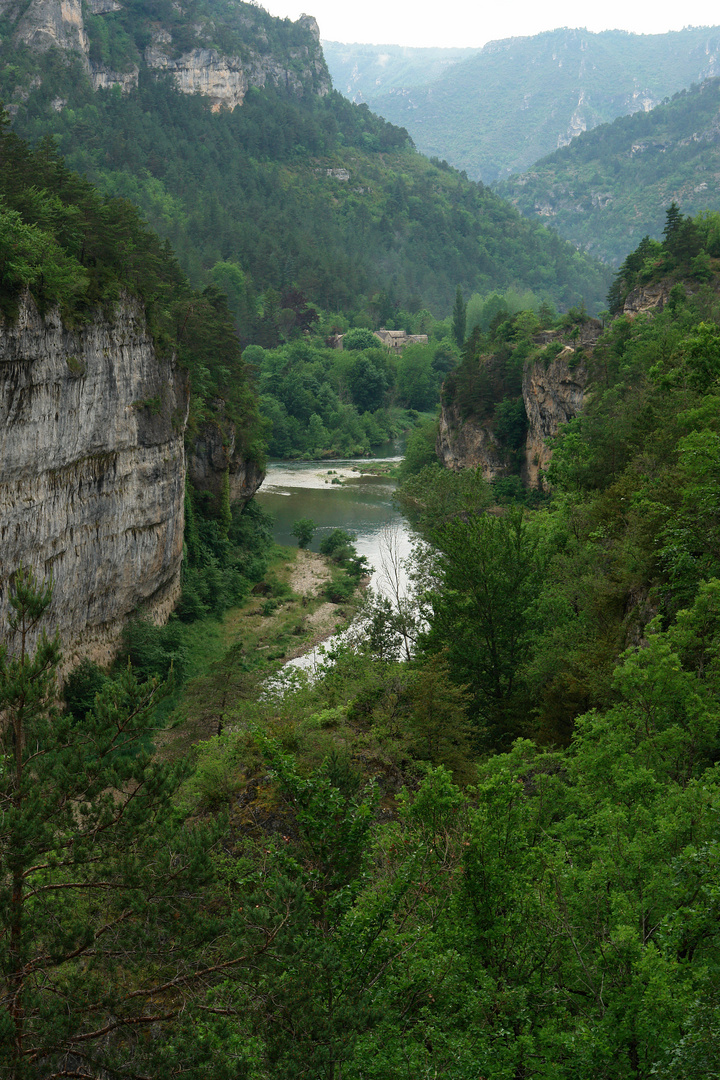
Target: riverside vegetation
{"type": "Point", "coordinates": [496, 858]}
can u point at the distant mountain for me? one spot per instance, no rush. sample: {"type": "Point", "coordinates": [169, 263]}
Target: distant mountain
{"type": "Point", "coordinates": [515, 101]}
{"type": "Point", "coordinates": [612, 186]}
{"type": "Point", "coordinates": [219, 122]}
{"type": "Point", "coordinates": [363, 72]}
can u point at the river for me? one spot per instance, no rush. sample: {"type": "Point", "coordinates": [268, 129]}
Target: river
{"type": "Point", "coordinates": [361, 505]}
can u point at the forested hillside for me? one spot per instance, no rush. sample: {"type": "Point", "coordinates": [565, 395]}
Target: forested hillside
{"type": "Point", "coordinates": [519, 99]}
{"type": "Point", "coordinates": [292, 189]}
{"type": "Point", "coordinates": [612, 186]}
{"type": "Point", "coordinates": [496, 858]}
{"type": "Point", "coordinates": [482, 838]}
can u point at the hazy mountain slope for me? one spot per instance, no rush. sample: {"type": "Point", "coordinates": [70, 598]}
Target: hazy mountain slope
{"type": "Point", "coordinates": [263, 176]}
{"type": "Point", "coordinates": [517, 100]}
{"type": "Point", "coordinates": [362, 72]}
{"type": "Point", "coordinates": [612, 186]}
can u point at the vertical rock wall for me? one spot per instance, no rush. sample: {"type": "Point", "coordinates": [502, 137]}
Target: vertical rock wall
{"type": "Point", "coordinates": [468, 444]}
{"type": "Point", "coordinates": [92, 471]}
{"type": "Point", "coordinates": [553, 394]}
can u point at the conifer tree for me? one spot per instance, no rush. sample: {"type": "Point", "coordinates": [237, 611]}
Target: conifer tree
{"type": "Point", "coordinates": [103, 940]}
{"type": "Point", "coordinates": [459, 318]}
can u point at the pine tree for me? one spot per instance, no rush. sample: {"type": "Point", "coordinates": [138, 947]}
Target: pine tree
{"type": "Point", "coordinates": [103, 936]}
{"type": "Point", "coordinates": [459, 318]}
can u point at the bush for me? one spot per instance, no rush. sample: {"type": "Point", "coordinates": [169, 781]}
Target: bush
{"type": "Point", "coordinates": [339, 590]}
{"type": "Point", "coordinates": [304, 529]}
{"type": "Point", "coordinates": [154, 651]}
{"type": "Point", "coordinates": [360, 338]}
{"type": "Point", "coordinates": [336, 540]}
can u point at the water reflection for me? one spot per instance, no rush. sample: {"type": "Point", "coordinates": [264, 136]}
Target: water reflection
{"type": "Point", "coordinates": [361, 505]}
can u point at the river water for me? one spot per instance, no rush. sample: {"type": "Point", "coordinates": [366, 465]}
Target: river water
{"type": "Point", "coordinates": [361, 505]}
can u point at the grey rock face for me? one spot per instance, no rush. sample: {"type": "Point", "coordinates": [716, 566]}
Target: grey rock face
{"type": "Point", "coordinates": [646, 298]}
{"type": "Point", "coordinates": [552, 395]}
{"type": "Point", "coordinates": [223, 79]}
{"type": "Point", "coordinates": [46, 23]}
{"type": "Point", "coordinates": [92, 471]}
{"type": "Point", "coordinates": [467, 444]}
{"type": "Point", "coordinates": [104, 78]}
{"type": "Point", "coordinates": [214, 453]}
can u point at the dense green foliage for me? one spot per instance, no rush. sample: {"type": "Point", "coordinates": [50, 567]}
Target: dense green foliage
{"type": "Point", "coordinates": [96, 865]}
{"type": "Point", "coordinates": [252, 201]}
{"type": "Point", "coordinates": [496, 858]}
{"type": "Point", "coordinates": [686, 257]}
{"type": "Point", "coordinates": [324, 402]}
{"type": "Point", "coordinates": [516, 100]}
{"type": "Point", "coordinates": [75, 249]}
{"type": "Point", "coordinates": [629, 530]}
{"type": "Point", "coordinates": [611, 186]}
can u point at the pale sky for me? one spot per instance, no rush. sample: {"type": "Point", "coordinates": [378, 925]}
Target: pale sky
{"type": "Point", "coordinates": [471, 24]}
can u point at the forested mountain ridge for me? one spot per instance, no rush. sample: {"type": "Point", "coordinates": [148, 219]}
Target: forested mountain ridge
{"type": "Point", "coordinates": [291, 192]}
{"type": "Point", "coordinates": [518, 99]}
{"type": "Point", "coordinates": [612, 186]}
{"type": "Point", "coordinates": [218, 49]}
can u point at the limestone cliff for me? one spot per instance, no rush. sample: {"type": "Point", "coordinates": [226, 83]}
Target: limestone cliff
{"type": "Point", "coordinates": [42, 24]}
{"type": "Point", "coordinates": [553, 392]}
{"type": "Point", "coordinates": [646, 298]}
{"type": "Point", "coordinates": [468, 444]}
{"type": "Point", "coordinates": [293, 59]}
{"type": "Point", "coordinates": [92, 470]}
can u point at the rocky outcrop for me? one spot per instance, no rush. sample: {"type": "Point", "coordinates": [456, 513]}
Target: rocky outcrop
{"type": "Point", "coordinates": [92, 470]}
{"type": "Point", "coordinates": [47, 23]}
{"type": "Point", "coordinates": [553, 391]}
{"type": "Point", "coordinates": [204, 71]}
{"type": "Point", "coordinates": [553, 394]}
{"type": "Point", "coordinates": [212, 454]}
{"type": "Point", "coordinates": [103, 78]}
{"type": "Point", "coordinates": [224, 79]}
{"type": "Point", "coordinates": [468, 444]}
{"type": "Point", "coordinates": [647, 298]}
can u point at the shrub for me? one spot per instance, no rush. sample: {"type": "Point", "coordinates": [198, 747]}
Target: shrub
{"type": "Point", "coordinates": [336, 540]}
{"type": "Point", "coordinates": [304, 529]}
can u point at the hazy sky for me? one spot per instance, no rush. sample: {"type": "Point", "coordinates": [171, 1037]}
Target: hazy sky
{"type": "Point", "coordinates": [469, 23]}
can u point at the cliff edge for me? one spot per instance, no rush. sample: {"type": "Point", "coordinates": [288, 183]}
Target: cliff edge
{"type": "Point", "coordinates": [92, 470]}
{"type": "Point", "coordinates": [218, 54]}
{"type": "Point", "coordinates": [553, 390]}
